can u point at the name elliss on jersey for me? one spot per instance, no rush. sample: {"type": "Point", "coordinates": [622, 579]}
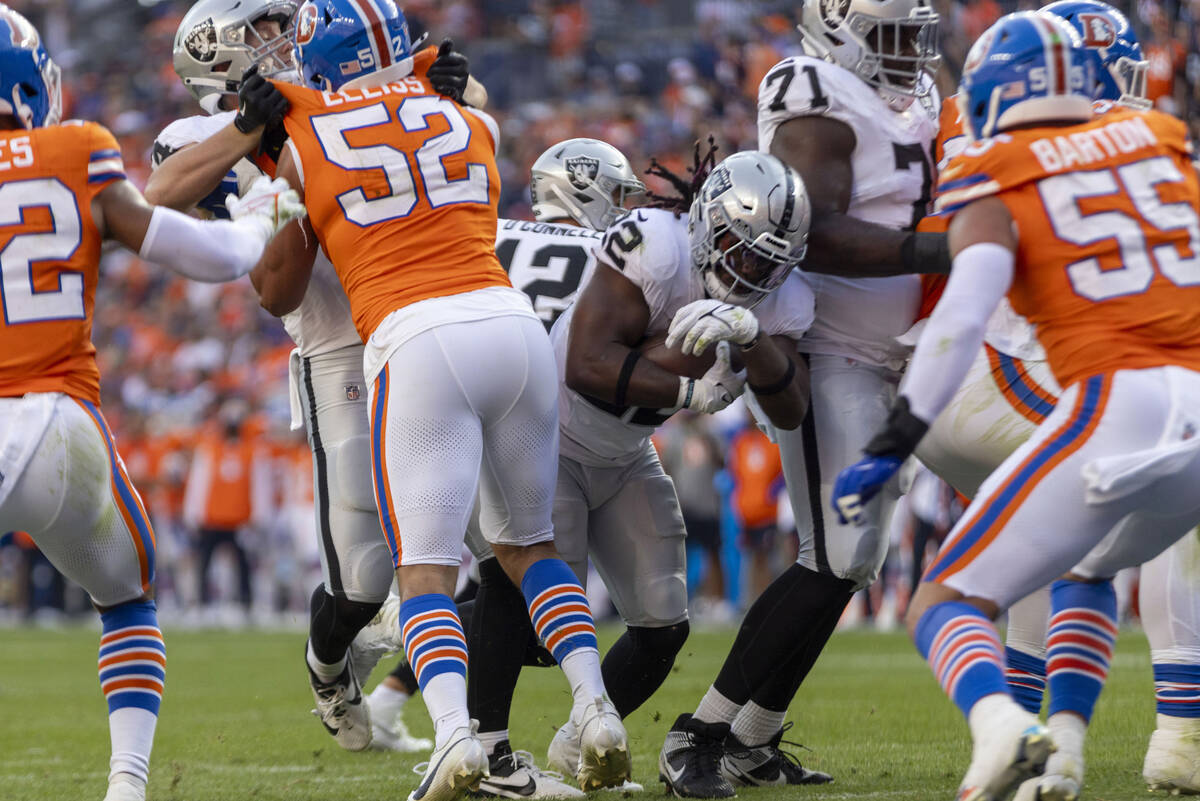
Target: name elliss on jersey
{"type": "Point", "coordinates": [412, 84]}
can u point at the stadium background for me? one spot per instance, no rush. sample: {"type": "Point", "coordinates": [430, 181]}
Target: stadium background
{"type": "Point", "coordinates": [183, 362]}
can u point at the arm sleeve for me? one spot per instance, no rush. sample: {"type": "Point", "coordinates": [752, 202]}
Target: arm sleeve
{"type": "Point", "coordinates": [980, 278]}
{"type": "Point", "coordinates": [212, 251]}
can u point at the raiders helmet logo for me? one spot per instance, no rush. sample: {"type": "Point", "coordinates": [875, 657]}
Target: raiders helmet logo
{"type": "Point", "coordinates": [201, 43]}
{"type": "Point", "coordinates": [1098, 30]}
{"type": "Point", "coordinates": [834, 11]}
{"type": "Point", "coordinates": [306, 24]}
{"type": "Point", "coordinates": [582, 170]}
{"type": "Point", "coordinates": [719, 183]}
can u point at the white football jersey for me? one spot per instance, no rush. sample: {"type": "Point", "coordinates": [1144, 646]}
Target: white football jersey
{"type": "Point", "coordinates": [322, 323]}
{"type": "Point", "coordinates": [547, 261]}
{"type": "Point", "coordinates": [650, 248]}
{"type": "Point", "coordinates": [893, 180]}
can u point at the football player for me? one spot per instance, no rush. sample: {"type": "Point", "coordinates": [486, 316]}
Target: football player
{"type": "Point", "coordinates": [62, 193]}
{"type": "Point", "coordinates": [197, 160]}
{"type": "Point", "coordinates": [402, 193]}
{"type": "Point", "coordinates": [1008, 391]}
{"type": "Point", "coordinates": [695, 279]}
{"type": "Point", "coordinates": [1117, 315]}
{"type": "Point", "coordinates": [855, 116]}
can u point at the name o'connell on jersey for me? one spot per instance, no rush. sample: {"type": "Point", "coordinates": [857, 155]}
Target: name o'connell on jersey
{"type": "Point", "coordinates": [547, 261]}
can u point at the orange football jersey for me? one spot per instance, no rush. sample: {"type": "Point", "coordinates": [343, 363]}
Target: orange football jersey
{"type": "Point", "coordinates": [401, 188]}
{"type": "Point", "coordinates": [1108, 263]}
{"type": "Point", "coordinates": [951, 140]}
{"type": "Point", "coordinates": [51, 247]}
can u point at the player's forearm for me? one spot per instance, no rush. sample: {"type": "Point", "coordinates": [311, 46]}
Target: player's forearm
{"type": "Point", "coordinates": [955, 331]}
{"type": "Point", "coordinates": [617, 374]}
{"type": "Point", "coordinates": [842, 245]}
{"type": "Point", "coordinates": [189, 175]}
{"type": "Point", "coordinates": [778, 379]}
{"type": "Point", "coordinates": [212, 251]}
{"type": "Point", "coordinates": [282, 274]}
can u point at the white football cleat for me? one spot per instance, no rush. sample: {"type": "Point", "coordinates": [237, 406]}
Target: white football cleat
{"type": "Point", "coordinates": [379, 638]}
{"type": "Point", "coordinates": [1173, 759]}
{"type": "Point", "coordinates": [604, 759]}
{"type": "Point", "coordinates": [514, 775]}
{"type": "Point", "coordinates": [454, 769]}
{"type": "Point", "coordinates": [396, 737]}
{"type": "Point", "coordinates": [1010, 746]}
{"type": "Point", "coordinates": [124, 787]}
{"type": "Point", "coordinates": [341, 709]}
{"type": "Point", "coordinates": [563, 753]}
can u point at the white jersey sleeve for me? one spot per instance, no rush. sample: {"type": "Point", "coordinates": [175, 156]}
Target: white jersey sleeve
{"type": "Point", "coordinates": [649, 247]}
{"type": "Point", "coordinates": [788, 311]}
{"type": "Point", "coordinates": [547, 261]}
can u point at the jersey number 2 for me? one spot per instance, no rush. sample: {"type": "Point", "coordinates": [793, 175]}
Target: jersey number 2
{"type": "Point", "coordinates": [414, 114]}
{"type": "Point", "coordinates": [23, 303]}
{"type": "Point", "coordinates": [1061, 195]}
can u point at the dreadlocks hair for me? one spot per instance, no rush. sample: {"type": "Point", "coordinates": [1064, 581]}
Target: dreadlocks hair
{"type": "Point", "coordinates": [685, 187]}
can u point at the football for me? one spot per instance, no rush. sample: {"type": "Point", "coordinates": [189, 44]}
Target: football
{"type": "Point", "coordinates": [676, 361]}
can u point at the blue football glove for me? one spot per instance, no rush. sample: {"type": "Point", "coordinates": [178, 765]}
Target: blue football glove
{"type": "Point", "coordinates": [859, 483]}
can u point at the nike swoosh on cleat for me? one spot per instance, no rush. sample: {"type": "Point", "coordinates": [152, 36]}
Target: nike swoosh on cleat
{"type": "Point", "coordinates": [528, 789]}
{"type": "Point", "coordinates": [430, 773]}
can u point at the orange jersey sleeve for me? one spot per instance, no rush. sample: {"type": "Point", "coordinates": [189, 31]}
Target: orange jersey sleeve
{"type": "Point", "coordinates": [51, 246]}
{"type": "Point", "coordinates": [1108, 263]}
{"type": "Point", "coordinates": [401, 187]}
{"type": "Point", "coordinates": [951, 140]}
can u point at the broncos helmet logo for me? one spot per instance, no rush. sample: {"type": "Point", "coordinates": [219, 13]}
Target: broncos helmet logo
{"type": "Point", "coordinates": [1098, 30]}
{"type": "Point", "coordinates": [306, 24]}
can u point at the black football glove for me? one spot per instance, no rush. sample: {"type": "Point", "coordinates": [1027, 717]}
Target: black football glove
{"type": "Point", "coordinates": [259, 102]}
{"type": "Point", "coordinates": [449, 72]}
{"type": "Point", "coordinates": [273, 139]}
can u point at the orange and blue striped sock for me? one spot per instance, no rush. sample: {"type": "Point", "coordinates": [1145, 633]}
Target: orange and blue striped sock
{"type": "Point", "coordinates": [964, 650]}
{"type": "Point", "coordinates": [563, 621]}
{"type": "Point", "coordinates": [132, 665]}
{"type": "Point", "coordinates": [1026, 676]}
{"type": "Point", "coordinates": [437, 651]}
{"type": "Point", "coordinates": [1079, 644]}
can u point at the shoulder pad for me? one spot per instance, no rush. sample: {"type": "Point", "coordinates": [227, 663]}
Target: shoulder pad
{"type": "Point", "coordinates": [642, 245]}
{"type": "Point", "coordinates": [803, 85]}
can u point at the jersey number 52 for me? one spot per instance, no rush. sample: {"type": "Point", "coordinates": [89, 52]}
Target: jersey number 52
{"type": "Point", "coordinates": [413, 114]}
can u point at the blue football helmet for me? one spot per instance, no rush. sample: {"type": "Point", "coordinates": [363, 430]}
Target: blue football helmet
{"type": "Point", "coordinates": [30, 83]}
{"type": "Point", "coordinates": [1107, 35]}
{"type": "Point", "coordinates": [1024, 69]}
{"type": "Point", "coordinates": [337, 41]}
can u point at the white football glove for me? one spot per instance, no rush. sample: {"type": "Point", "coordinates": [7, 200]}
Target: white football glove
{"type": "Point", "coordinates": [703, 322]}
{"type": "Point", "coordinates": [716, 389]}
{"type": "Point", "coordinates": [274, 203]}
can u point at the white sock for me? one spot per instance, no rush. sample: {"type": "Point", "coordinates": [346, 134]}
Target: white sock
{"type": "Point", "coordinates": [716, 708]}
{"type": "Point", "coordinates": [386, 703]}
{"type": "Point", "coordinates": [755, 725]}
{"type": "Point", "coordinates": [1069, 732]}
{"type": "Point", "coordinates": [445, 697]}
{"type": "Point", "coordinates": [1186, 726]}
{"type": "Point", "coordinates": [131, 730]}
{"type": "Point", "coordinates": [491, 739]}
{"type": "Point", "coordinates": [326, 674]}
{"type": "Point", "coordinates": [582, 669]}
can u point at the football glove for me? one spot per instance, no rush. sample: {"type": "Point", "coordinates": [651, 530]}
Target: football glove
{"type": "Point", "coordinates": [703, 322]}
{"type": "Point", "coordinates": [715, 390]}
{"type": "Point", "coordinates": [859, 483]}
{"type": "Point", "coordinates": [273, 203]}
{"type": "Point", "coordinates": [259, 102]}
{"type": "Point", "coordinates": [449, 72]}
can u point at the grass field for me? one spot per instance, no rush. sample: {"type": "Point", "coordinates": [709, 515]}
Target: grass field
{"type": "Point", "coordinates": [235, 722]}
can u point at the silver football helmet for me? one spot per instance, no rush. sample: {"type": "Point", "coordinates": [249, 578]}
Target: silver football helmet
{"type": "Point", "coordinates": [887, 43]}
{"type": "Point", "coordinates": [748, 227]}
{"type": "Point", "coordinates": [217, 42]}
{"type": "Point", "coordinates": [584, 179]}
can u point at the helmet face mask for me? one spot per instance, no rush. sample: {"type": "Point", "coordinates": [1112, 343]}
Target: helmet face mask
{"type": "Point", "coordinates": [585, 180]}
{"type": "Point", "coordinates": [890, 44]}
{"type": "Point", "coordinates": [218, 40]}
{"type": "Point", "coordinates": [748, 227]}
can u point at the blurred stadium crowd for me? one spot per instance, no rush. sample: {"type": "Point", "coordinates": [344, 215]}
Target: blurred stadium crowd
{"type": "Point", "coordinates": [195, 376]}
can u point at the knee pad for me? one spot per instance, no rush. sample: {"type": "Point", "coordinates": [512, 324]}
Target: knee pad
{"type": "Point", "coordinates": [664, 642]}
{"type": "Point", "coordinates": [350, 483]}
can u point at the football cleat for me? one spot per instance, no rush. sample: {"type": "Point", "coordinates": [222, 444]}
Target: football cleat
{"type": "Point", "coordinates": [395, 736]}
{"type": "Point", "coordinates": [454, 769]}
{"type": "Point", "coordinates": [377, 639]}
{"type": "Point", "coordinates": [604, 759]}
{"type": "Point", "coordinates": [563, 753]}
{"type": "Point", "coordinates": [341, 709]}
{"type": "Point", "coordinates": [514, 775]}
{"type": "Point", "coordinates": [690, 761]}
{"type": "Point", "coordinates": [1011, 746]}
{"type": "Point", "coordinates": [1173, 759]}
{"type": "Point", "coordinates": [766, 764]}
{"type": "Point", "coordinates": [124, 787]}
